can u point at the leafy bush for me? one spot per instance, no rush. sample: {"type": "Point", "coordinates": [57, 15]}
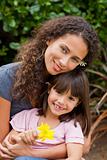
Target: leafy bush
{"type": "Point", "coordinates": [18, 18]}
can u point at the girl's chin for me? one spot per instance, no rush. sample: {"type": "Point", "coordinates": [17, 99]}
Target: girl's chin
{"type": "Point", "coordinates": [57, 114]}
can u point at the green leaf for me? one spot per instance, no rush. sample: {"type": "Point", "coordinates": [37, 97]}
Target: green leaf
{"type": "Point", "coordinates": [6, 27]}
{"type": "Point", "coordinates": [34, 8]}
{"type": "Point", "coordinates": [15, 2]}
{"type": "Point", "coordinates": [1, 16]}
{"type": "Point", "coordinates": [14, 45]}
{"type": "Point", "coordinates": [3, 51]}
{"type": "Point", "coordinates": [12, 23]}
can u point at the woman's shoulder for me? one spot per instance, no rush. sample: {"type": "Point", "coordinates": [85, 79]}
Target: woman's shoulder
{"type": "Point", "coordinates": [7, 74]}
{"type": "Point", "coordinates": [9, 69]}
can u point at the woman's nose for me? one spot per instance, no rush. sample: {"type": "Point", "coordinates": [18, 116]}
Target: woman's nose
{"type": "Point", "coordinates": [64, 61]}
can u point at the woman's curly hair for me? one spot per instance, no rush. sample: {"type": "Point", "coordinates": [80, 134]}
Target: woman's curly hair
{"type": "Point", "coordinates": [31, 76]}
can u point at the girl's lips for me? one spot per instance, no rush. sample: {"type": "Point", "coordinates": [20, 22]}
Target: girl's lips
{"type": "Point", "coordinates": [58, 107]}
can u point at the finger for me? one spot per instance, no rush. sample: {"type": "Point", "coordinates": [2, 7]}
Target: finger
{"type": "Point", "coordinates": [15, 138]}
{"type": "Point", "coordinates": [5, 151]}
{"type": "Point", "coordinates": [23, 138]}
{"type": "Point", "coordinates": [5, 156]}
{"type": "Point", "coordinates": [5, 141]}
{"type": "Point", "coordinates": [27, 137]}
{"type": "Point", "coordinates": [32, 136]}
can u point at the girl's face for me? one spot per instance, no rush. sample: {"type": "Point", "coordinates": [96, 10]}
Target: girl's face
{"type": "Point", "coordinates": [60, 104]}
{"type": "Point", "coordinates": [65, 53]}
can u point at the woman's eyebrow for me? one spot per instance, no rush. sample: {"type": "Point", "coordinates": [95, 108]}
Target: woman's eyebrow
{"type": "Point", "coordinates": [65, 47]}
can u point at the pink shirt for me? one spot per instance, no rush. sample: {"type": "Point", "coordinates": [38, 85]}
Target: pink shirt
{"type": "Point", "coordinates": [65, 132]}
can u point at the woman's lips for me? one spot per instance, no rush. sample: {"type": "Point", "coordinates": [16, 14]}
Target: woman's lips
{"type": "Point", "coordinates": [56, 67]}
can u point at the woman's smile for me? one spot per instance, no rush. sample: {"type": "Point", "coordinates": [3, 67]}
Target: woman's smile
{"type": "Point", "coordinates": [57, 67]}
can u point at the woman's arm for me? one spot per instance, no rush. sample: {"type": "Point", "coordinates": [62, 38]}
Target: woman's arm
{"type": "Point", "coordinates": [5, 106]}
{"type": "Point", "coordinates": [75, 151]}
{"type": "Point", "coordinates": [55, 152]}
{"type": "Point", "coordinates": [20, 149]}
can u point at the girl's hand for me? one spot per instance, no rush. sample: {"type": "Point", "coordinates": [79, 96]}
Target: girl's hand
{"type": "Point", "coordinates": [28, 137]}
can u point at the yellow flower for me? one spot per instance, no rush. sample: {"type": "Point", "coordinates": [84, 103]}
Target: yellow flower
{"type": "Point", "coordinates": [45, 132]}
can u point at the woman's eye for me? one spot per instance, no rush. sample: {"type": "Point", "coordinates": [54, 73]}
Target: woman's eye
{"type": "Point", "coordinates": [74, 60]}
{"type": "Point", "coordinates": [63, 50]}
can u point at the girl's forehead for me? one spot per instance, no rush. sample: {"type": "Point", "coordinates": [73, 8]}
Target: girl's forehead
{"type": "Point", "coordinates": [65, 91]}
{"type": "Point", "coordinates": [68, 92]}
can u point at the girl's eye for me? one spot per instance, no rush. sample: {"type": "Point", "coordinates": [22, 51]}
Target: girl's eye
{"type": "Point", "coordinates": [58, 92]}
{"type": "Point", "coordinates": [71, 98]}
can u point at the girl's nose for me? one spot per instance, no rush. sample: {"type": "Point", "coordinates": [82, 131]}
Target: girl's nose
{"type": "Point", "coordinates": [61, 100]}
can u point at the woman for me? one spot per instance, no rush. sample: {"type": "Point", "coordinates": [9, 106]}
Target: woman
{"type": "Point", "coordinates": [60, 45]}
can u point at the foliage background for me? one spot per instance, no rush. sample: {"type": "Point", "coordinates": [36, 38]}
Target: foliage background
{"type": "Point", "coordinates": [19, 17]}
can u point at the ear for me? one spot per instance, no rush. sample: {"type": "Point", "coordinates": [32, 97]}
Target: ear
{"type": "Point", "coordinates": [49, 42]}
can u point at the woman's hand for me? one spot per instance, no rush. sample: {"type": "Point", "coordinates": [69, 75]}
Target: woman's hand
{"type": "Point", "coordinates": [8, 150]}
{"type": "Point", "coordinates": [13, 145]}
{"type": "Point", "coordinates": [5, 153]}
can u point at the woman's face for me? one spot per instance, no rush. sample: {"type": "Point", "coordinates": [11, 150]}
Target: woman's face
{"type": "Point", "coordinates": [65, 53]}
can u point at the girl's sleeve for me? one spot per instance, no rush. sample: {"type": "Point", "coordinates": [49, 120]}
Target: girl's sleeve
{"type": "Point", "coordinates": [73, 133]}
{"type": "Point", "coordinates": [19, 121]}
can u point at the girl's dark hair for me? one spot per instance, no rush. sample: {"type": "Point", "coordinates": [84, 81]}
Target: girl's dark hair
{"type": "Point", "coordinates": [77, 83]}
{"type": "Point", "coordinates": [31, 76]}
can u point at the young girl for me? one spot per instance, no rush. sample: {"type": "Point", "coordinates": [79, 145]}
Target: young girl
{"type": "Point", "coordinates": [59, 45]}
{"type": "Point", "coordinates": [65, 108]}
